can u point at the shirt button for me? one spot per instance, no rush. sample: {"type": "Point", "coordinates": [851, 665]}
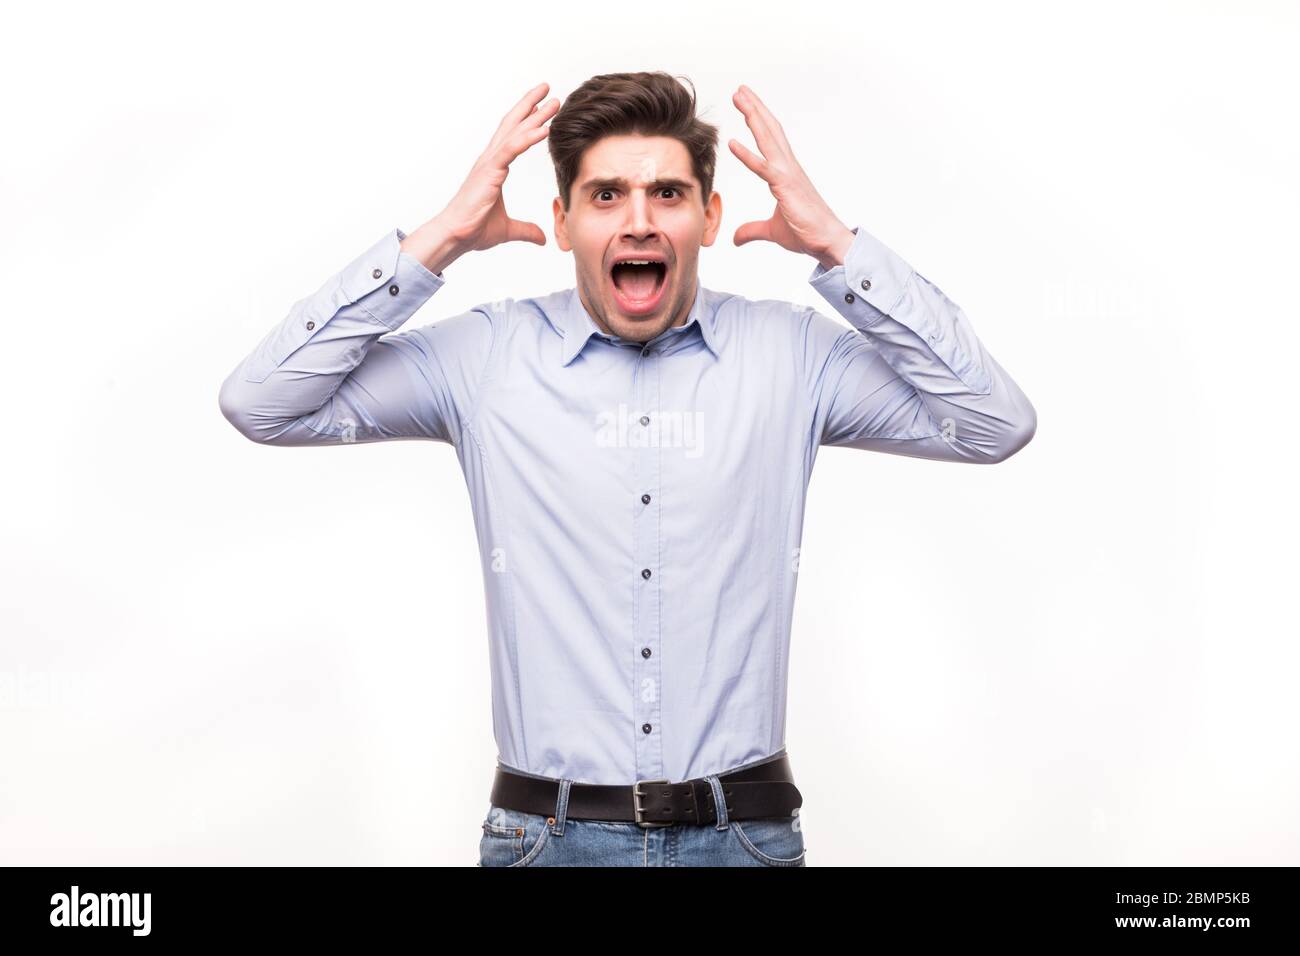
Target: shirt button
{"type": "Point", "coordinates": [645, 419]}
{"type": "Point", "coordinates": [848, 297]}
{"type": "Point", "coordinates": [645, 499]}
{"type": "Point", "coordinates": [646, 728]}
{"type": "Point", "coordinates": [645, 652]}
{"type": "Point", "coordinates": [645, 351]}
{"type": "Point", "coordinates": [645, 573]}
{"type": "Point", "coordinates": [310, 326]}
{"type": "Point", "coordinates": [377, 273]}
{"type": "Point", "coordinates": [866, 285]}
{"type": "Point", "coordinates": [392, 290]}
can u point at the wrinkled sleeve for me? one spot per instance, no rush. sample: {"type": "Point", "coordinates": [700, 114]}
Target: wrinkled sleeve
{"type": "Point", "coordinates": [910, 377]}
{"type": "Point", "coordinates": [335, 370]}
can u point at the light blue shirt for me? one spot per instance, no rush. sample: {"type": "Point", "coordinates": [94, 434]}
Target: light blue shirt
{"type": "Point", "coordinates": [638, 508]}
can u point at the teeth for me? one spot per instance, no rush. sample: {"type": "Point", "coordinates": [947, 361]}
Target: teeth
{"type": "Point", "coordinates": [637, 262]}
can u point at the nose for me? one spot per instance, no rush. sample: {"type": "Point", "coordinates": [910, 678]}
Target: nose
{"type": "Point", "coordinates": [639, 224]}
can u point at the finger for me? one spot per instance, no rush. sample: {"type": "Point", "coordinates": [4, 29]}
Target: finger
{"type": "Point", "coordinates": [523, 107]}
{"type": "Point", "coordinates": [757, 164]}
{"type": "Point", "coordinates": [769, 119]}
{"type": "Point", "coordinates": [541, 114]}
{"type": "Point", "coordinates": [510, 149]}
{"type": "Point", "coordinates": [518, 112]}
{"type": "Point", "coordinates": [524, 232]}
{"type": "Point", "coordinates": [771, 142]}
{"type": "Point", "coordinates": [757, 125]}
{"type": "Point", "coordinates": [752, 231]}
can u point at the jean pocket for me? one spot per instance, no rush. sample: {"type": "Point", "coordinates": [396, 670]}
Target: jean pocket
{"type": "Point", "coordinates": [773, 841]}
{"type": "Point", "coordinates": [512, 837]}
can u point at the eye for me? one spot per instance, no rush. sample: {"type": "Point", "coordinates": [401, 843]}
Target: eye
{"type": "Point", "coordinates": [673, 190]}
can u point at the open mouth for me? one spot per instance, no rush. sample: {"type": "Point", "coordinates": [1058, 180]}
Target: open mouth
{"type": "Point", "coordinates": [638, 284]}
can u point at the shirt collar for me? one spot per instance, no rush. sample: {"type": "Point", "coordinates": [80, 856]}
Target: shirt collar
{"type": "Point", "coordinates": [577, 326]}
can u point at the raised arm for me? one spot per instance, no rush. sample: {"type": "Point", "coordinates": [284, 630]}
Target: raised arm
{"type": "Point", "coordinates": [336, 370]}
{"type": "Point", "coordinates": [911, 377]}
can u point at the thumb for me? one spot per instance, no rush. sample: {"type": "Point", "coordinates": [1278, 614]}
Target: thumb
{"type": "Point", "coordinates": [525, 232]}
{"type": "Point", "coordinates": [751, 231]}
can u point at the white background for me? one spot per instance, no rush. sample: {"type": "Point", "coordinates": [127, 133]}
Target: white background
{"type": "Point", "coordinates": [219, 652]}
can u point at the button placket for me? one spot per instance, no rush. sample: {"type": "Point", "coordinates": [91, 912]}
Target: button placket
{"type": "Point", "coordinates": [646, 636]}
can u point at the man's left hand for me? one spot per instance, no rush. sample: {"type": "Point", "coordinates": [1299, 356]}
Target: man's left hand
{"type": "Point", "coordinates": [802, 221]}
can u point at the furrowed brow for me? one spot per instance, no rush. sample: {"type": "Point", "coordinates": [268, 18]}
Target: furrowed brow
{"type": "Point", "coordinates": [621, 183]}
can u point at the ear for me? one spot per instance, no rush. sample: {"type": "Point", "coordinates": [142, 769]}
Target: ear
{"type": "Point", "coordinates": [712, 218]}
{"type": "Point", "coordinates": [561, 225]}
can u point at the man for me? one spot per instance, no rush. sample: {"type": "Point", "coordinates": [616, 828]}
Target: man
{"type": "Point", "coordinates": [637, 449]}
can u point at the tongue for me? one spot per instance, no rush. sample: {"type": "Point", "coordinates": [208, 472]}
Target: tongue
{"type": "Point", "coordinates": [636, 282]}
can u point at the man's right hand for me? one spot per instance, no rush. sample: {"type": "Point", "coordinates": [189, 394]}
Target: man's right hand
{"type": "Point", "coordinates": [476, 218]}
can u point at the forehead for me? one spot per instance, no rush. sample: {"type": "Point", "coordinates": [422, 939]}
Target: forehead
{"type": "Point", "coordinates": [636, 158]}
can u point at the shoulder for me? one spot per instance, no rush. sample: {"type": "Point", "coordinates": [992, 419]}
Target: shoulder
{"type": "Point", "coordinates": [773, 321]}
{"type": "Point", "coordinates": [541, 311]}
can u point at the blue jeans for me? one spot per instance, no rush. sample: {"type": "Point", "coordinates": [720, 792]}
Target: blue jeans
{"type": "Point", "coordinates": [515, 838]}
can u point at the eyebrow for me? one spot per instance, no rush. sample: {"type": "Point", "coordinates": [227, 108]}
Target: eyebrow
{"type": "Point", "coordinates": [620, 182]}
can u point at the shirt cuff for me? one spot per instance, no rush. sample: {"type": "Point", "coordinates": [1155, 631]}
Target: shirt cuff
{"type": "Point", "coordinates": [868, 285]}
{"type": "Point", "coordinates": [387, 283]}
{"type": "Point", "coordinates": [402, 255]}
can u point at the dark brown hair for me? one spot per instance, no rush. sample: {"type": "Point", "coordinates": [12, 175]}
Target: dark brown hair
{"type": "Point", "coordinates": [611, 104]}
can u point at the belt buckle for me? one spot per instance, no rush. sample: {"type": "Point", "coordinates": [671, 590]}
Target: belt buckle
{"type": "Point", "coordinates": [636, 804]}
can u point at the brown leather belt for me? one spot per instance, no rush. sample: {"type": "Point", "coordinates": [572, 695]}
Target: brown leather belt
{"type": "Point", "coordinates": [763, 789]}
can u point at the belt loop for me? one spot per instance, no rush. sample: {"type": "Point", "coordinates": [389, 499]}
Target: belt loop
{"type": "Point", "coordinates": [561, 807]}
{"type": "Point", "coordinates": [719, 801]}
